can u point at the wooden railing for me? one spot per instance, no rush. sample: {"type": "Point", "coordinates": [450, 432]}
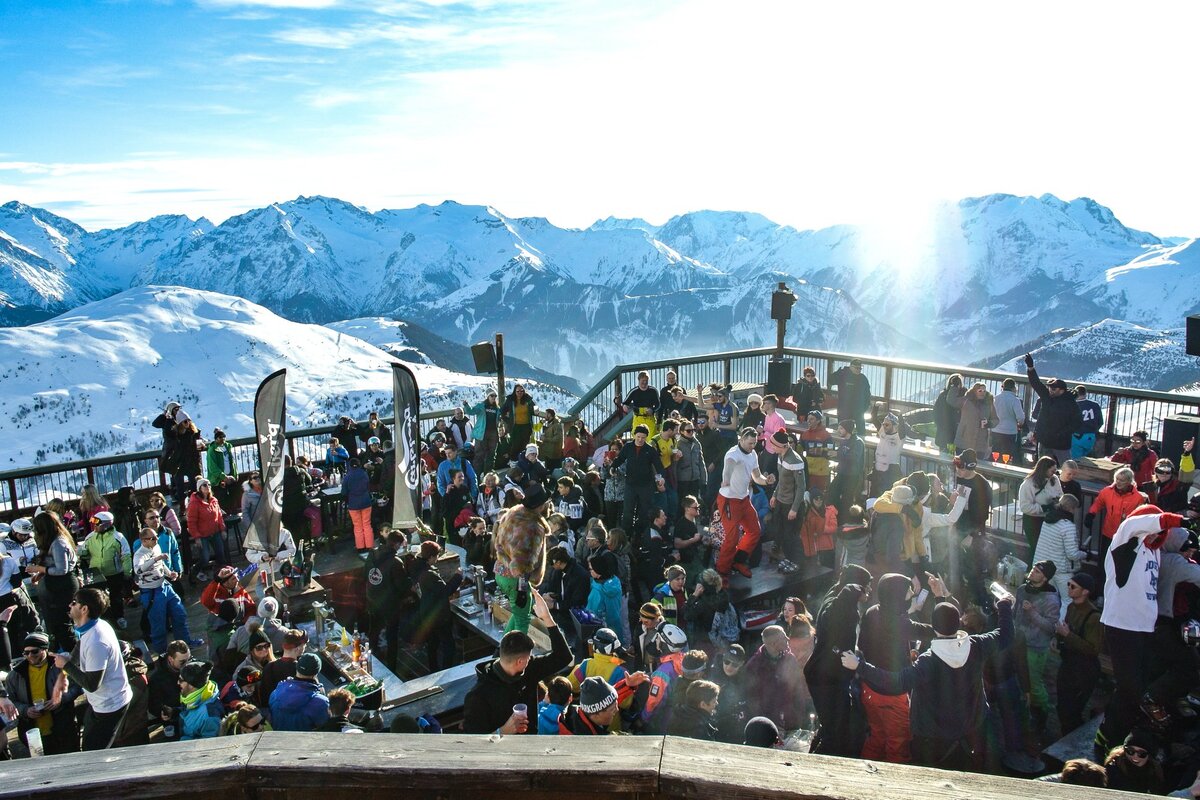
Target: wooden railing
{"type": "Point", "coordinates": [330, 766]}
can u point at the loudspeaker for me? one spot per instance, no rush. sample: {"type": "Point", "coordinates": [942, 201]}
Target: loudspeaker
{"type": "Point", "coordinates": [782, 301]}
{"type": "Point", "coordinates": [1193, 336]}
{"type": "Point", "coordinates": [779, 377]}
{"type": "Point", "coordinates": [1177, 428]}
{"type": "Point", "coordinates": [484, 354]}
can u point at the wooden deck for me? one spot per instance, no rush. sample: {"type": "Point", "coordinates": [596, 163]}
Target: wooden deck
{"type": "Point", "coordinates": [279, 766]}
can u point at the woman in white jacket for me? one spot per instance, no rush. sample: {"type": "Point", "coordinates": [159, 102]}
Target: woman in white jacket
{"type": "Point", "coordinates": [1059, 543]}
{"type": "Point", "coordinates": [933, 523]}
{"type": "Point", "coordinates": [268, 568]}
{"type": "Point", "coordinates": [887, 456]}
{"type": "Point", "coordinates": [1039, 491]}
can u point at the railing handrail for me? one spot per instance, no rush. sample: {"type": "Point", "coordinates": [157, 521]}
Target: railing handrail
{"type": "Point", "coordinates": [147, 455]}
{"type": "Point", "coordinates": [903, 363]}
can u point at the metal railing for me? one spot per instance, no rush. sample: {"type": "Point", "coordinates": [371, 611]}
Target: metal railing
{"type": "Point", "coordinates": [22, 490]}
{"type": "Point", "coordinates": [903, 385]}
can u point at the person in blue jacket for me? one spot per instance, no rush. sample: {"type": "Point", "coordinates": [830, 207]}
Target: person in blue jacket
{"type": "Point", "coordinates": [356, 489]}
{"type": "Point", "coordinates": [200, 710]}
{"type": "Point", "coordinates": [299, 703]}
{"type": "Point", "coordinates": [605, 598]}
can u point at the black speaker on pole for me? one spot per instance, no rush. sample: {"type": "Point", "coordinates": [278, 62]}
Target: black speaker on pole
{"type": "Point", "coordinates": [779, 377]}
{"type": "Point", "coordinates": [1193, 336]}
{"type": "Point", "coordinates": [1176, 429]}
{"type": "Point", "coordinates": [484, 354]}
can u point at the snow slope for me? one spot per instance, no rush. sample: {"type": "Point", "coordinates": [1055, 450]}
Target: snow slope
{"type": "Point", "coordinates": [90, 381]}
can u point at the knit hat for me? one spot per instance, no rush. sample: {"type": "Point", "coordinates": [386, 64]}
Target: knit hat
{"type": "Point", "coordinates": [1140, 737]}
{"type": "Point", "coordinates": [650, 611]}
{"type": "Point", "coordinates": [181, 416]}
{"type": "Point", "coordinates": [1047, 567]}
{"type": "Point", "coordinates": [268, 608]}
{"type": "Point", "coordinates": [203, 482]}
{"type": "Point", "coordinates": [946, 619]}
{"type": "Point", "coordinates": [761, 732]}
{"type": "Point", "coordinates": [754, 398]}
{"type": "Point", "coordinates": [37, 639]}
{"type": "Point", "coordinates": [693, 666]}
{"type": "Point", "coordinates": [904, 495]}
{"type": "Point", "coordinates": [595, 695]}
{"type": "Point", "coordinates": [308, 665]}
{"type": "Point", "coordinates": [229, 610]}
{"type": "Point", "coordinates": [196, 673]}
{"type": "Point", "coordinates": [1085, 581]}
{"type": "Point", "coordinates": [604, 563]}
{"type": "Point", "coordinates": [780, 437]}
{"type": "Point", "coordinates": [257, 638]}
{"type": "Point", "coordinates": [1056, 383]}
{"type": "Point", "coordinates": [531, 448]}
{"type": "Point", "coordinates": [535, 496]}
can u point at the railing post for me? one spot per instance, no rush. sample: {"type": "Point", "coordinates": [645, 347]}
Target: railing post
{"type": "Point", "coordinates": [1110, 423]}
{"type": "Point", "coordinates": [726, 371]}
{"type": "Point", "coordinates": [91, 474]}
{"type": "Point", "coordinates": [618, 392]}
{"type": "Point", "coordinates": [887, 385]}
{"type": "Point", "coordinates": [12, 494]}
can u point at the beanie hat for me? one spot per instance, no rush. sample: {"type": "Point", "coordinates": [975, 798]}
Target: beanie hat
{"type": "Point", "coordinates": [229, 610]}
{"type": "Point", "coordinates": [754, 398]}
{"type": "Point", "coordinates": [1140, 737]}
{"type": "Point", "coordinates": [531, 448]}
{"type": "Point", "coordinates": [1085, 581]}
{"type": "Point", "coordinates": [196, 673]}
{"type": "Point", "coordinates": [761, 732]}
{"type": "Point", "coordinates": [693, 666]}
{"type": "Point", "coordinates": [257, 638]}
{"type": "Point", "coordinates": [946, 619]}
{"type": "Point", "coordinates": [904, 495]}
{"type": "Point", "coordinates": [181, 416]}
{"type": "Point", "coordinates": [595, 695]}
{"type": "Point", "coordinates": [308, 665]}
{"type": "Point", "coordinates": [1047, 567]}
{"type": "Point", "coordinates": [37, 639]}
{"type": "Point", "coordinates": [605, 564]}
{"type": "Point", "coordinates": [268, 608]}
{"type": "Point", "coordinates": [780, 437]}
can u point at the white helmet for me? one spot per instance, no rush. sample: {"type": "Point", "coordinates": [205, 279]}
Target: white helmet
{"type": "Point", "coordinates": [671, 639]}
{"type": "Point", "coordinates": [22, 527]}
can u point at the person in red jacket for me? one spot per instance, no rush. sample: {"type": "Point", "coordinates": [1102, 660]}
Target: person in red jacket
{"type": "Point", "coordinates": [1139, 456]}
{"type": "Point", "coordinates": [206, 522]}
{"type": "Point", "coordinates": [1115, 502]}
{"type": "Point", "coordinates": [225, 586]}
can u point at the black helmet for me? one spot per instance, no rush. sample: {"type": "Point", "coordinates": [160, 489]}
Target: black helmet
{"type": "Point", "coordinates": [605, 641]}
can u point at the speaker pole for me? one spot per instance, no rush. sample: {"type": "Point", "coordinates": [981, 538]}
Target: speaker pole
{"type": "Point", "coordinates": [500, 367]}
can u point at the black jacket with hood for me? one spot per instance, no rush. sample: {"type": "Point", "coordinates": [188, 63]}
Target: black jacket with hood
{"type": "Point", "coordinates": [490, 701]}
{"type": "Point", "coordinates": [946, 681]}
{"type": "Point", "coordinates": [887, 632]}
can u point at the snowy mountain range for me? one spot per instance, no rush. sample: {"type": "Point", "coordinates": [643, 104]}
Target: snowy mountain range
{"type": "Point", "coordinates": [960, 283]}
{"type": "Point", "coordinates": [90, 381]}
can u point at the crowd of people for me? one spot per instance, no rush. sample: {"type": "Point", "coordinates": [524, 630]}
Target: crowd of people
{"type": "Point", "coordinates": [624, 552]}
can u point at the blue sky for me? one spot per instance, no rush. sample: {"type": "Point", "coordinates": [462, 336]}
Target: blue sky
{"type": "Point", "coordinates": [812, 114]}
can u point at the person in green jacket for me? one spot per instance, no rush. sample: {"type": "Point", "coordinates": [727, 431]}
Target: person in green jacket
{"type": "Point", "coordinates": [107, 550]}
{"type": "Point", "coordinates": [222, 472]}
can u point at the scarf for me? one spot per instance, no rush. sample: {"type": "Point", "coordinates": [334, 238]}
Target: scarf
{"type": "Point", "coordinates": [199, 696]}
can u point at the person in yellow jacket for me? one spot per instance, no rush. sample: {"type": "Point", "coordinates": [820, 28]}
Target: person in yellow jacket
{"type": "Point", "coordinates": [607, 662]}
{"type": "Point", "coordinates": [107, 550]}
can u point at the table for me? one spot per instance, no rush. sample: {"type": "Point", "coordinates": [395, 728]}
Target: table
{"type": "Point", "coordinates": [333, 508]}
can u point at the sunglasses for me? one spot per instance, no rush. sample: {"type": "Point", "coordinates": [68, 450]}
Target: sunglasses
{"type": "Point", "coordinates": [263, 646]}
{"type": "Point", "coordinates": [251, 728]}
{"type": "Point", "coordinates": [33, 651]}
{"type": "Point", "coordinates": [152, 516]}
{"type": "Point", "coordinates": [1137, 441]}
{"type": "Point", "coordinates": [1163, 472]}
{"type": "Point", "coordinates": [689, 430]}
{"type": "Point", "coordinates": [1072, 585]}
{"type": "Point", "coordinates": [1137, 752]}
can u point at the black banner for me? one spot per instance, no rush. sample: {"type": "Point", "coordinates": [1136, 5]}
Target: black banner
{"type": "Point", "coordinates": [269, 410]}
{"type": "Point", "coordinates": [406, 506]}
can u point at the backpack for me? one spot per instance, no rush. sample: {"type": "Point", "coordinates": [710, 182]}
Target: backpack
{"type": "Point", "coordinates": [726, 627]}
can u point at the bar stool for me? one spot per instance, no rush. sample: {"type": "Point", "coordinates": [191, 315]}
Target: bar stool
{"type": "Point", "coordinates": [233, 534]}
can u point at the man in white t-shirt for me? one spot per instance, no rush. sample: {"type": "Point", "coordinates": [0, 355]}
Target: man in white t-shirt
{"type": "Point", "coordinates": [733, 502]}
{"type": "Point", "coordinates": [97, 666]}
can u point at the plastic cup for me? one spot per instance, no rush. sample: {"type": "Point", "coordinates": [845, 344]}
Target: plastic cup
{"type": "Point", "coordinates": [521, 710]}
{"type": "Point", "coordinates": [995, 455]}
